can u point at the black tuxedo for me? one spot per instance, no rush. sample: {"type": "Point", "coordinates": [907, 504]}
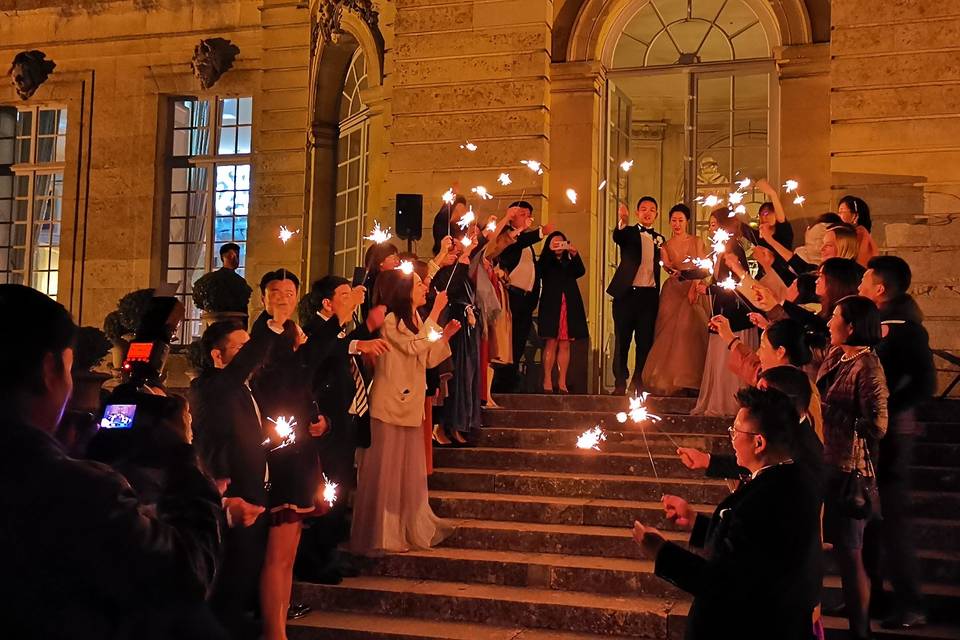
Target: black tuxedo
{"type": "Point", "coordinates": [522, 305]}
{"type": "Point", "coordinates": [228, 435]}
{"type": "Point", "coordinates": [634, 308]}
{"type": "Point", "coordinates": [761, 574]}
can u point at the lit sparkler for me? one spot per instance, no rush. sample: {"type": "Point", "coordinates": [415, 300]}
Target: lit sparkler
{"type": "Point", "coordinates": [466, 241]}
{"type": "Point", "coordinates": [469, 146]}
{"type": "Point", "coordinates": [729, 284]}
{"type": "Point", "coordinates": [405, 267]}
{"type": "Point", "coordinates": [740, 209]}
{"type": "Point", "coordinates": [572, 196]}
{"type": "Point", "coordinates": [745, 183]}
{"type": "Point", "coordinates": [534, 166]}
{"type": "Point", "coordinates": [712, 201]}
{"type": "Point", "coordinates": [799, 200]}
{"type": "Point", "coordinates": [504, 179]}
{"type": "Point", "coordinates": [285, 428]}
{"type": "Point", "coordinates": [482, 192]}
{"type": "Point", "coordinates": [791, 185]}
{"type": "Point", "coordinates": [449, 196]}
{"type": "Point", "coordinates": [468, 218]}
{"type": "Point", "coordinates": [378, 235]}
{"type": "Point", "coordinates": [638, 411]}
{"type": "Point", "coordinates": [329, 491]}
{"type": "Point", "coordinates": [286, 234]}
{"type": "Point", "coordinates": [626, 165]}
{"type": "Point", "coordinates": [492, 225]}
{"type": "Point", "coordinates": [720, 238]}
{"type": "Point", "coordinates": [735, 198]}
{"type": "Point", "coordinates": [434, 336]}
{"type": "Point", "coordinates": [591, 438]}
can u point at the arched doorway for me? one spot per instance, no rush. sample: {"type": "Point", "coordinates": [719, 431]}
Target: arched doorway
{"type": "Point", "coordinates": [692, 100]}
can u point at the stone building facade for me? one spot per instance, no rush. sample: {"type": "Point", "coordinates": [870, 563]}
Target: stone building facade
{"type": "Point", "coordinates": [331, 108]}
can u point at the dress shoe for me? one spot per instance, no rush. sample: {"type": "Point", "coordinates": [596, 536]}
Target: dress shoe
{"type": "Point", "coordinates": [298, 610]}
{"type": "Point", "coordinates": [906, 619]}
{"type": "Point", "coordinates": [619, 390]}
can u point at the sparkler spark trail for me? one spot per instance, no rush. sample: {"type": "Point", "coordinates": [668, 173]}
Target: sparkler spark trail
{"type": "Point", "coordinates": [745, 183]}
{"type": "Point", "coordinates": [491, 226]}
{"type": "Point", "coordinates": [572, 196]}
{"type": "Point", "coordinates": [791, 185]}
{"type": "Point", "coordinates": [286, 234]}
{"type": "Point", "coordinates": [433, 335]}
{"type": "Point", "coordinates": [378, 234]}
{"type": "Point", "coordinates": [735, 198]}
{"type": "Point", "coordinates": [720, 239]}
{"type": "Point", "coordinates": [504, 179]}
{"type": "Point", "coordinates": [638, 413]}
{"type": "Point", "coordinates": [448, 196]}
{"type": "Point", "coordinates": [591, 438]}
{"type": "Point", "coordinates": [740, 210]}
{"type": "Point", "coordinates": [626, 165]}
{"type": "Point", "coordinates": [285, 429]}
{"type": "Point", "coordinates": [534, 166]}
{"type": "Point", "coordinates": [711, 201]}
{"type": "Point", "coordinates": [799, 200]}
{"type": "Point", "coordinates": [466, 241]}
{"type": "Point", "coordinates": [469, 146]}
{"type": "Point", "coordinates": [482, 192]}
{"type": "Point", "coordinates": [405, 267]}
{"type": "Point", "coordinates": [329, 491]}
{"type": "Point", "coordinates": [468, 218]}
{"type": "Point", "coordinates": [729, 284]}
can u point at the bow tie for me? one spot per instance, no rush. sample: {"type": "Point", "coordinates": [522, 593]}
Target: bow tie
{"type": "Point", "coordinates": [649, 230]}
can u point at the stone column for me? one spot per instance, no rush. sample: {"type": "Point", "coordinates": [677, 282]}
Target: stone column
{"type": "Point", "coordinates": [576, 130]}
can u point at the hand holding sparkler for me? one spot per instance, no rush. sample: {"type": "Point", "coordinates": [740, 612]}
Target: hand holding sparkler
{"type": "Point", "coordinates": [373, 348]}
{"type": "Point", "coordinates": [678, 511]}
{"type": "Point", "coordinates": [319, 428]}
{"type": "Point", "coordinates": [721, 325]}
{"type": "Point", "coordinates": [649, 539]}
{"type": "Point", "coordinates": [758, 320]}
{"type": "Point", "coordinates": [693, 458]}
{"type": "Point", "coordinates": [764, 298]}
{"type": "Point", "coordinates": [450, 329]}
{"type": "Point", "coordinates": [439, 304]}
{"type": "Point", "coordinates": [241, 513]}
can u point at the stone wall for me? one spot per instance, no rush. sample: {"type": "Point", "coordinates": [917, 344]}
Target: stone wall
{"type": "Point", "coordinates": [895, 139]}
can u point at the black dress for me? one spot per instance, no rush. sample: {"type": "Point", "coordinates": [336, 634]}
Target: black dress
{"type": "Point", "coordinates": [559, 283]}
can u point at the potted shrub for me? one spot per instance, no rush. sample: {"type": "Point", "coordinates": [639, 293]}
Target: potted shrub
{"type": "Point", "coordinates": [91, 348]}
{"type": "Point", "coordinates": [222, 295]}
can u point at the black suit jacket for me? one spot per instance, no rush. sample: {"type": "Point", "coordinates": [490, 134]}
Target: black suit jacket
{"type": "Point", "coordinates": [227, 430]}
{"type": "Point", "coordinates": [509, 258]}
{"type": "Point", "coordinates": [763, 568]}
{"type": "Point", "coordinates": [630, 241]}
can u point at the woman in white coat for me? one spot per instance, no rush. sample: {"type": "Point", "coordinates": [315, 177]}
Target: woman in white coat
{"type": "Point", "coordinates": [391, 512]}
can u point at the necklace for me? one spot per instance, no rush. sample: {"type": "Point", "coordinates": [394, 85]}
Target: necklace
{"type": "Point", "coordinates": [854, 356]}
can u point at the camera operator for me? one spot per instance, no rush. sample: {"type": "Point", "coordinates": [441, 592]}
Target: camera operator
{"type": "Point", "coordinates": [83, 558]}
{"type": "Point", "coordinates": [229, 438]}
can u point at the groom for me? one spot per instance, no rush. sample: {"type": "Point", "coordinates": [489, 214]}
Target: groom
{"type": "Point", "coordinates": [635, 289]}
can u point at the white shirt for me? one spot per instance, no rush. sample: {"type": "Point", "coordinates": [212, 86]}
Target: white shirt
{"type": "Point", "coordinates": [524, 275]}
{"type": "Point", "coordinates": [352, 349]}
{"type": "Point", "coordinates": [644, 275]}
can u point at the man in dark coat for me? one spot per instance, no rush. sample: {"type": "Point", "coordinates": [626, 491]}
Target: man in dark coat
{"type": "Point", "coordinates": [635, 289]}
{"type": "Point", "coordinates": [908, 366]}
{"type": "Point", "coordinates": [519, 261]}
{"type": "Point", "coordinates": [82, 557]}
{"type": "Point", "coordinates": [229, 437]}
{"type": "Point", "coordinates": [761, 575]}
{"type": "Point", "coordinates": [340, 391]}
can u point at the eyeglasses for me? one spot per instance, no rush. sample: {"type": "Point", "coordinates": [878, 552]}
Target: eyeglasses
{"type": "Point", "coordinates": [734, 430]}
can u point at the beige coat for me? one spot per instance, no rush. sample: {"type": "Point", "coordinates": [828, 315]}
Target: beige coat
{"type": "Point", "coordinates": [400, 378]}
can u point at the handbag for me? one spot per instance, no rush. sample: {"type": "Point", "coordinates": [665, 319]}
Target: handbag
{"type": "Point", "coordinates": [858, 496]}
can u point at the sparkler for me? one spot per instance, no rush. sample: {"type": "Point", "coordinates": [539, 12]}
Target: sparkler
{"type": "Point", "coordinates": [791, 185]}
{"type": "Point", "coordinates": [492, 225]}
{"type": "Point", "coordinates": [638, 413]}
{"type": "Point", "coordinates": [740, 209]}
{"type": "Point", "coordinates": [286, 234]}
{"type": "Point", "coordinates": [720, 239]}
{"type": "Point", "coordinates": [504, 179]}
{"type": "Point", "coordinates": [329, 491]}
{"type": "Point", "coordinates": [378, 235]}
{"type": "Point", "coordinates": [448, 196]}
{"type": "Point", "coordinates": [434, 336]}
{"type": "Point", "coordinates": [468, 218]}
{"type": "Point", "coordinates": [534, 166]}
{"type": "Point", "coordinates": [735, 198]}
{"type": "Point", "coordinates": [469, 146]}
{"type": "Point", "coordinates": [591, 438]}
{"type": "Point", "coordinates": [799, 200]}
{"type": "Point", "coordinates": [405, 267]}
{"type": "Point", "coordinates": [712, 201]}
{"type": "Point", "coordinates": [572, 196]}
{"type": "Point", "coordinates": [285, 428]}
{"type": "Point", "coordinates": [466, 241]}
{"type": "Point", "coordinates": [745, 183]}
{"type": "Point", "coordinates": [729, 284]}
{"type": "Point", "coordinates": [482, 192]}
{"type": "Point", "coordinates": [626, 165]}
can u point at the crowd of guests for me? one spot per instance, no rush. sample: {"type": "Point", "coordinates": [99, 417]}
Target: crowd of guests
{"type": "Point", "coordinates": [822, 358]}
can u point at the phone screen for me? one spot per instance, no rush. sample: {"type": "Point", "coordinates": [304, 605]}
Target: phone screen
{"type": "Point", "coordinates": [118, 416]}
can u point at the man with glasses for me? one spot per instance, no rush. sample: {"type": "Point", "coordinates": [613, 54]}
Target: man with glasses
{"type": "Point", "coordinates": [761, 574]}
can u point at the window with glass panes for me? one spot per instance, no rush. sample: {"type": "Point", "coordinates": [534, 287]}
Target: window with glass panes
{"type": "Point", "coordinates": [209, 192]}
{"type": "Point", "coordinates": [353, 150]}
{"type": "Point", "coordinates": [33, 144]}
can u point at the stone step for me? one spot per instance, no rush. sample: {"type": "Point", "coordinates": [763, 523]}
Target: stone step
{"type": "Point", "coordinates": [583, 485]}
{"type": "Point", "coordinates": [561, 572]}
{"type": "Point", "coordinates": [572, 461]}
{"type": "Point", "coordinates": [941, 504]}
{"type": "Point", "coordinates": [522, 607]}
{"type": "Point", "coordinates": [941, 600]}
{"type": "Point", "coordinates": [837, 629]}
{"type": "Point", "coordinates": [940, 432]}
{"type": "Point", "coordinates": [340, 625]}
{"type": "Point", "coordinates": [617, 441]}
{"type": "Point", "coordinates": [546, 419]}
{"type": "Point", "coordinates": [550, 509]}
{"type": "Point", "coordinates": [939, 411]}
{"type": "Point", "coordinates": [925, 478]}
{"type": "Point", "coordinates": [940, 454]}
{"type": "Point", "coordinates": [612, 404]}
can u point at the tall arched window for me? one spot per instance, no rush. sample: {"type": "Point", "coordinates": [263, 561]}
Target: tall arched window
{"type": "Point", "coordinates": [353, 149]}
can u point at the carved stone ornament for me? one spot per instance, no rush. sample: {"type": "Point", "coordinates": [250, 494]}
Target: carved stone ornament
{"type": "Point", "coordinates": [29, 70]}
{"type": "Point", "coordinates": [212, 58]}
{"type": "Point", "coordinates": [330, 12]}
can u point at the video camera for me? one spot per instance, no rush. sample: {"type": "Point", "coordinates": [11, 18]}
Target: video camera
{"type": "Point", "coordinates": [147, 354]}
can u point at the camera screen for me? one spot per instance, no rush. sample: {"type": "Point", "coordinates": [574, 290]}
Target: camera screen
{"type": "Point", "coordinates": [118, 416]}
{"type": "Point", "coordinates": [140, 351]}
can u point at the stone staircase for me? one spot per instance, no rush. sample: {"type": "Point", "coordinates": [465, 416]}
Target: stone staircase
{"type": "Point", "coordinates": [544, 548]}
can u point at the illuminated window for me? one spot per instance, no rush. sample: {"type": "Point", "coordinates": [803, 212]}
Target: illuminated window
{"type": "Point", "coordinates": [353, 149]}
{"type": "Point", "coordinates": [209, 192]}
{"type": "Point", "coordinates": [32, 155]}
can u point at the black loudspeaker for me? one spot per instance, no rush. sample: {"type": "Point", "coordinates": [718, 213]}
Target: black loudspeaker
{"type": "Point", "coordinates": [409, 216]}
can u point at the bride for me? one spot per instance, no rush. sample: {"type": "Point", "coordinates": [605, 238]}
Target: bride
{"type": "Point", "coordinates": [680, 339]}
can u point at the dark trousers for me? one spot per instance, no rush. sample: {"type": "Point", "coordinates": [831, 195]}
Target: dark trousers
{"type": "Point", "coordinates": [235, 593]}
{"type": "Point", "coordinates": [522, 306]}
{"type": "Point", "coordinates": [322, 535]}
{"type": "Point", "coordinates": [634, 318]}
{"type": "Point", "coordinates": [890, 541]}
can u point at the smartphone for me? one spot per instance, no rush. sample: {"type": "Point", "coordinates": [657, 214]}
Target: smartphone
{"type": "Point", "coordinates": [358, 274]}
{"type": "Point", "coordinates": [118, 416]}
